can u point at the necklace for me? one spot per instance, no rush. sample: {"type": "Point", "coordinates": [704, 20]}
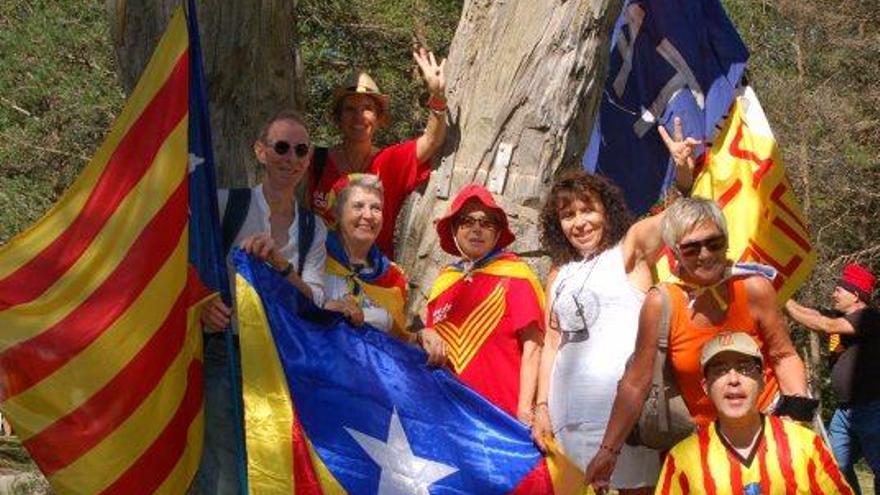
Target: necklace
{"type": "Point", "coordinates": [594, 259]}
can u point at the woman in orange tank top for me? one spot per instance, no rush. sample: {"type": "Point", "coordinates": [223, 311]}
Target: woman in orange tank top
{"type": "Point", "coordinates": [709, 298]}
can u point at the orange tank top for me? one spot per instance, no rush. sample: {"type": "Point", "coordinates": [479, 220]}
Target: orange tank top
{"type": "Point", "coordinates": [686, 342]}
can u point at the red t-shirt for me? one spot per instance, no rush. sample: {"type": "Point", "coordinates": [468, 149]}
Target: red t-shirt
{"type": "Point", "coordinates": [480, 319]}
{"type": "Point", "coordinates": [400, 173]}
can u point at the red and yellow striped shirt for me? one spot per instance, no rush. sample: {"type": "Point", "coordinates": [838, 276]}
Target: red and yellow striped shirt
{"type": "Point", "coordinates": [787, 460]}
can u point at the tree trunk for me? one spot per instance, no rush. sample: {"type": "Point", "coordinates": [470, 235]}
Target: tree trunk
{"type": "Point", "coordinates": [251, 63]}
{"type": "Point", "coordinates": [524, 78]}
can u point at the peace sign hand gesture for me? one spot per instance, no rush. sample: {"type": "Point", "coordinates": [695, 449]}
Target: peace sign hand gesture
{"type": "Point", "coordinates": [681, 150]}
{"type": "Point", "coordinates": [432, 72]}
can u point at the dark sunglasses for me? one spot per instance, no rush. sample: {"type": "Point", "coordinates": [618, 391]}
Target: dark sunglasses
{"type": "Point", "coordinates": [713, 244]}
{"type": "Point", "coordinates": [470, 222]}
{"type": "Point", "coordinates": [282, 147]}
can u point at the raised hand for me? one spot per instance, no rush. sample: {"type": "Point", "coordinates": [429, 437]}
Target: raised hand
{"type": "Point", "coordinates": [681, 150]}
{"type": "Point", "coordinates": [432, 72]}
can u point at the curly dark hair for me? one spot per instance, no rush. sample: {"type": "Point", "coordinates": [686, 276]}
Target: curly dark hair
{"type": "Point", "coordinates": [579, 185]}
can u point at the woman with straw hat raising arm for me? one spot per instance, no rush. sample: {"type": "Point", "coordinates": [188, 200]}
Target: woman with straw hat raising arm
{"type": "Point", "coordinates": [359, 110]}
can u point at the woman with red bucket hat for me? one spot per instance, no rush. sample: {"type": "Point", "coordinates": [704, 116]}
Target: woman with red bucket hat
{"type": "Point", "coordinates": [488, 308]}
{"type": "Point", "coordinates": [488, 305]}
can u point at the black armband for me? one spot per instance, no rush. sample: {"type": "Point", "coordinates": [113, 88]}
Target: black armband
{"type": "Point", "coordinates": [797, 408]}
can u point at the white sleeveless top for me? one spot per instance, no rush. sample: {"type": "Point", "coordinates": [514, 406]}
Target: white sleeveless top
{"type": "Point", "coordinates": [597, 308]}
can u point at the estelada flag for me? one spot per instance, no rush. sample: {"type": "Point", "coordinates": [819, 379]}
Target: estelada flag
{"type": "Point", "coordinates": [668, 59]}
{"type": "Point", "coordinates": [100, 348]}
{"type": "Point", "coordinates": [743, 172]}
{"type": "Point", "coordinates": [334, 409]}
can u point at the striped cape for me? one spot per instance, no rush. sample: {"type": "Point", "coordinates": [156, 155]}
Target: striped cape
{"type": "Point", "coordinates": [385, 283]}
{"type": "Point", "coordinates": [335, 409]}
{"type": "Point", "coordinates": [100, 348]}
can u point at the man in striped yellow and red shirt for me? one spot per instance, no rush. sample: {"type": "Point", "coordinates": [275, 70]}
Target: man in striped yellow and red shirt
{"type": "Point", "coordinates": [743, 451]}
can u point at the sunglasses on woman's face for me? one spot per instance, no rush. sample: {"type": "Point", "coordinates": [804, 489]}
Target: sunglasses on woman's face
{"type": "Point", "coordinates": [281, 148]}
{"type": "Point", "coordinates": [693, 248]}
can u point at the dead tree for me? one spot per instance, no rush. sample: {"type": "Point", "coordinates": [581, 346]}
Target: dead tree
{"type": "Point", "coordinates": [251, 64]}
{"type": "Point", "coordinates": [524, 82]}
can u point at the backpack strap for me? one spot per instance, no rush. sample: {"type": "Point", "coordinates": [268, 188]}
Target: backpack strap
{"type": "Point", "coordinates": [305, 235]}
{"type": "Point", "coordinates": [659, 377]}
{"type": "Point", "coordinates": [319, 163]}
{"type": "Point", "coordinates": [237, 206]}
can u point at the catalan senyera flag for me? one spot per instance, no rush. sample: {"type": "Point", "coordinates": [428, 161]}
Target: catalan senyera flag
{"type": "Point", "coordinates": [743, 172]}
{"type": "Point", "coordinates": [330, 408]}
{"type": "Point", "coordinates": [100, 345]}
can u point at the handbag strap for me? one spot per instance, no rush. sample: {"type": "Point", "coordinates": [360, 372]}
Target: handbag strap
{"type": "Point", "coordinates": [659, 378]}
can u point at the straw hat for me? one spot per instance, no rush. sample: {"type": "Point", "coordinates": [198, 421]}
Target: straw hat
{"type": "Point", "coordinates": [359, 83]}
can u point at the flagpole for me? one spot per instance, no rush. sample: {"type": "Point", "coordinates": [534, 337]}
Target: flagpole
{"type": "Point", "coordinates": [200, 124]}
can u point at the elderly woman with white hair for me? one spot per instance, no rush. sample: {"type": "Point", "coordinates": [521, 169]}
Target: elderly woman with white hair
{"type": "Point", "coordinates": [359, 281]}
{"type": "Point", "coordinates": [710, 296]}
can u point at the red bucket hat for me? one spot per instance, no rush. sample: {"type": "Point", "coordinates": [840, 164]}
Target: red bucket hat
{"type": "Point", "coordinates": [477, 193]}
{"type": "Point", "coordinates": [857, 279]}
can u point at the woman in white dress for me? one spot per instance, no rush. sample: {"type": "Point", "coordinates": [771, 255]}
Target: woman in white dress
{"type": "Point", "coordinates": [595, 290]}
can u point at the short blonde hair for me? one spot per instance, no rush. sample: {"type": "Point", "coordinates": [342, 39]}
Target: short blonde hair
{"type": "Point", "coordinates": [686, 214]}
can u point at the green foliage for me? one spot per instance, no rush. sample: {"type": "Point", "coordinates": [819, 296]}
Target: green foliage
{"type": "Point", "coordinates": [58, 96]}
{"type": "Point", "coordinates": [339, 36]}
{"type": "Point", "coordinates": [815, 66]}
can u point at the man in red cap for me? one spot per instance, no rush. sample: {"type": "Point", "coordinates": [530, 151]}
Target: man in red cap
{"type": "Point", "coordinates": [855, 375]}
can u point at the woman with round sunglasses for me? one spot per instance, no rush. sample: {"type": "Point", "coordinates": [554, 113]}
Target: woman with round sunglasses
{"type": "Point", "coordinates": [601, 270]}
{"type": "Point", "coordinates": [359, 110]}
{"type": "Point", "coordinates": [710, 295]}
{"type": "Point", "coordinates": [487, 307]}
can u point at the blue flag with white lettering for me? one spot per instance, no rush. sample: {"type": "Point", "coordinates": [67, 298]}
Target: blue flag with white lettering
{"type": "Point", "coordinates": [668, 58]}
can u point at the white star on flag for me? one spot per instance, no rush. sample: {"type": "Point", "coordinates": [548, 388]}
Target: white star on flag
{"type": "Point", "coordinates": [194, 161]}
{"type": "Point", "coordinates": [403, 473]}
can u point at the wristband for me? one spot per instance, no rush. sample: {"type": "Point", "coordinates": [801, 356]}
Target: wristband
{"type": "Point", "coordinates": [287, 270]}
{"type": "Point", "coordinates": [797, 408]}
{"type": "Point", "coordinates": [436, 104]}
{"type": "Point", "coordinates": [610, 449]}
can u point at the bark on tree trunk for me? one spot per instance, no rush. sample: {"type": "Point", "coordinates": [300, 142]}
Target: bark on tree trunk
{"type": "Point", "coordinates": [523, 77]}
{"type": "Point", "coordinates": [251, 63]}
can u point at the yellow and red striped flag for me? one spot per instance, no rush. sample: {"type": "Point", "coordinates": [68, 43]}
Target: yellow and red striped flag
{"type": "Point", "coordinates": [100, 346]}
{"type": "Point", "coordinates": [744, 173]}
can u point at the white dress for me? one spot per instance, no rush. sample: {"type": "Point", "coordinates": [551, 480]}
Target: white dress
{"type": "Point", "coordinates": [598, 310]}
